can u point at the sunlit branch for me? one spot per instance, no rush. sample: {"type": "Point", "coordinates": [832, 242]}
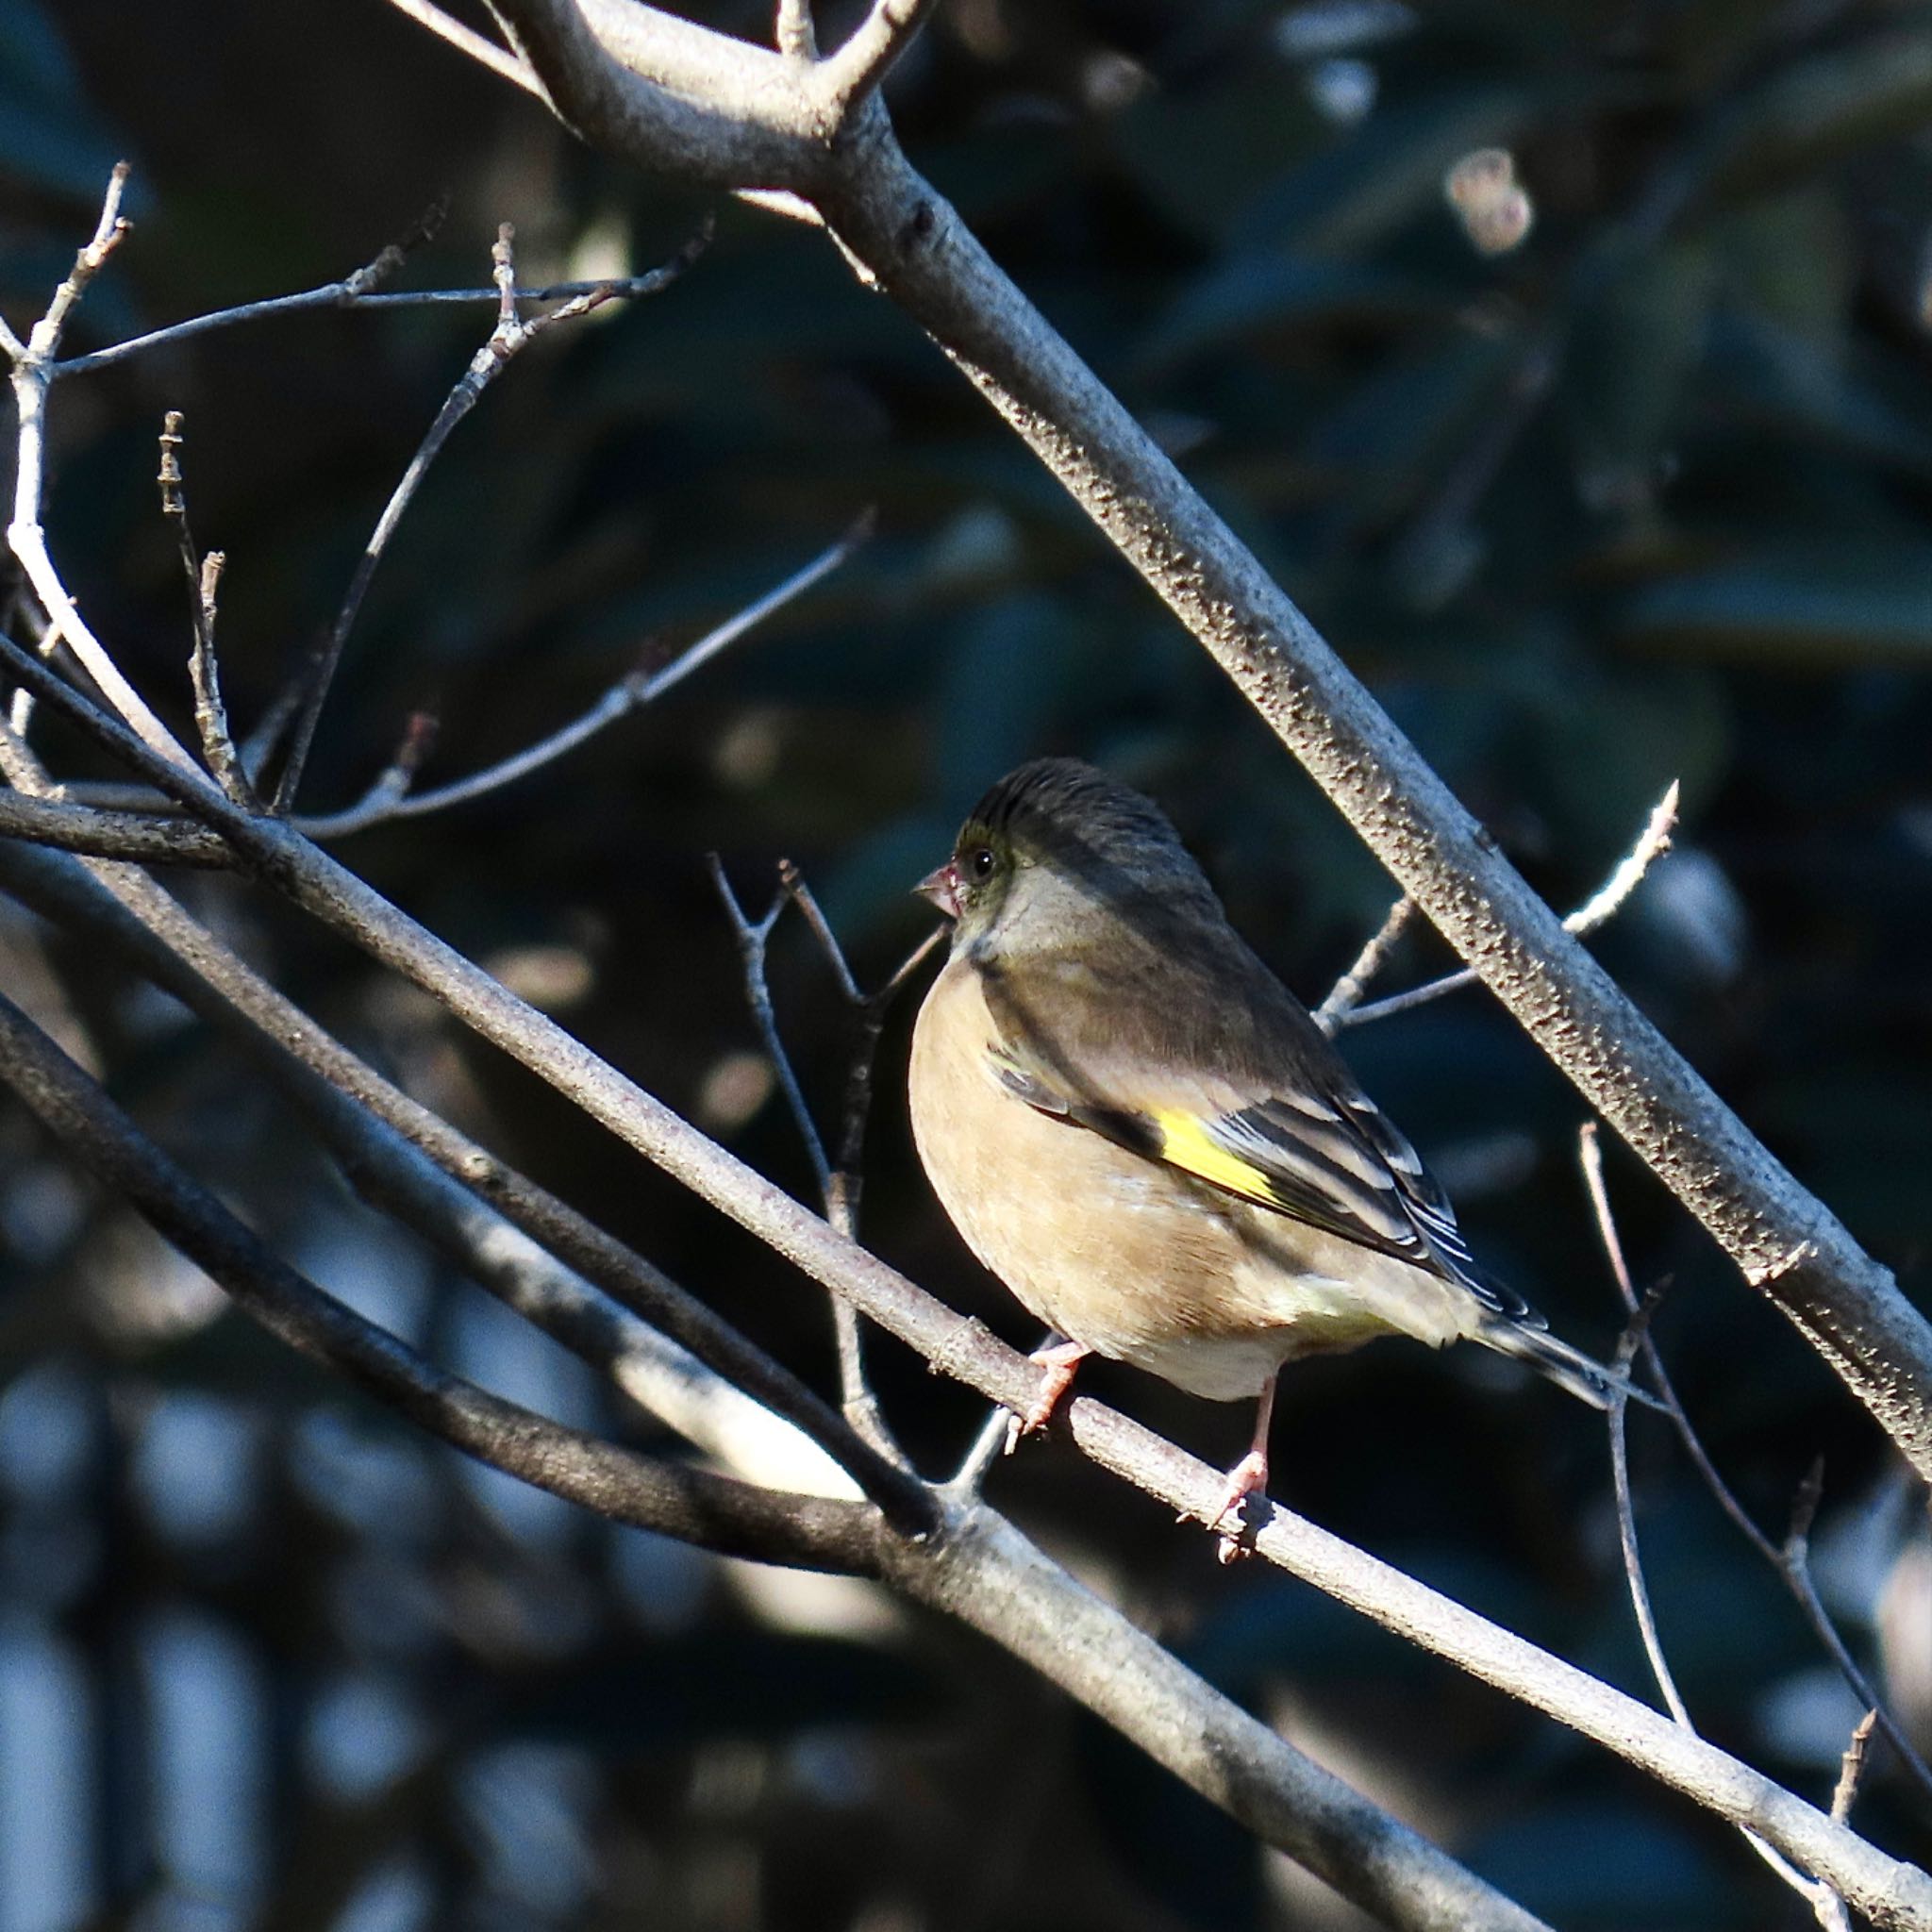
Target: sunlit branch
{"type": "Point", "coordinates": [1603, 905]}
{"type": "Point", "coordinates": [389, 797]}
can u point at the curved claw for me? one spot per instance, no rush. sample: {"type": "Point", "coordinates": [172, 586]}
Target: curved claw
{"type": "Point", "coordinates": [1248, 1477]}
{"type": "Point", "coordinates": [1059, 1359]}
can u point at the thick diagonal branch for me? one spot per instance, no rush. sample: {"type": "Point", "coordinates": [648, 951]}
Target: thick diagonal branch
{"type": "Point", "coordinates": [668, 94]}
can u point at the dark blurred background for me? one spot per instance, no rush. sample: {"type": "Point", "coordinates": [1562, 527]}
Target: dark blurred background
{"type": "Point", "coordinates": [1642, 492]}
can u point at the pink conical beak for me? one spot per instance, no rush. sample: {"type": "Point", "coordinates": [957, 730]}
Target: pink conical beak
{"type": "Point", "coordinates": [942, 888]}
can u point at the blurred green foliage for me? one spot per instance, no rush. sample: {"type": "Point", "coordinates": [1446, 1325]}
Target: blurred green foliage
{"type": "Point", "coordinates": [1647, 497]}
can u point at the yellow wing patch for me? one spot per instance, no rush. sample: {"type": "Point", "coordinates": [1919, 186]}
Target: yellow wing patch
{"type": "Point", "coordinates": [1188, 1144]}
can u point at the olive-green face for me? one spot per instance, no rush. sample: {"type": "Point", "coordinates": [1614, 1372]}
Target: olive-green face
{"type": "Point", "coordinates": [982, 863]}
{"type": "Point", "coordinates": [971, 884]}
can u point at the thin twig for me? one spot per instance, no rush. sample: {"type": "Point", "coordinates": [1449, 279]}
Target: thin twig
{"type": "Point", "coordinates": [110, 232]}
{"type": "Point", "coordinates": [870, 1011]}
{"type": "Point", "coordinates": [389, 797]}
{"type": "Point", "coordinates": [1627, 1346]}
{"type": "Point", "coordinates": [794, 31]}
{"type": "Point", "coordinates": [848, 1170]}
{"type": "Point", "coordinates": [1635, 1331]}
{"type": "Point", "coordinates": [1790, 1560]}
{"type": "Point", "coordinates": [357, 290]}
{"type": "Point", "coordinates": [510, 336]}
{"type": "Point", "coordinates": [1651, 844]}
{"type": "Point", "coordinates": [754, 937]}
{"type": "Point", "coordinates": [261, 744]}
{"type": "Point", "coordinates": [20, 711]}
{"type": "Point", "coordinates": [347, 294]}
{"type": "Point", "coordinates": [859, 67]}
{"type": "Point", "coordinates": [839, 1182]}
{"type": "Point", "coordinates": [32, 364]}
{"type": "Point", "coordinates": [993, 1441]}
{"type": "Point", "coordinates": [204, 579]}
{"type": "Point", "coordinates": [1346, 995]}
{"type": "Point", "coordinates": [1852, 1768]}
{"type": "Point", "coordinates": [466, 40]}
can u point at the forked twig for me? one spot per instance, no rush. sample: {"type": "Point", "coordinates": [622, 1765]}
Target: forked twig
{"type": "Point", "coordinates": [839, 1181]}
{"type": "Point", "coordinates": [389, 797]}
{"type": "Point", "coordinates": [510, 335]}
{"type": "Point", "coordinates": [1790, 1560]}
{"type": "Point", "coordinates": [204, 579]}
{"type": "Point", "coordinates": [869, 1010]}
{"type": "Point", "coordinates": [32, 366]}
{"type": "Point", "coordinates": [363, 287]}
{"type": "Point", "coordinates": [1653, 842]}
{"type": "Point", "coordinates": [1346, 995]}
{"type": "Point", "coordinates": [1825, 1903]}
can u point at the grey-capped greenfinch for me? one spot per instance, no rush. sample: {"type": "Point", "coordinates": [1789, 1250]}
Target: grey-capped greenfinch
{"type": "Point", "coordinates": [1147, 1138]}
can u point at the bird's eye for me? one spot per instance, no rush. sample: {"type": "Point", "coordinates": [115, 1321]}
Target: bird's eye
{"type": "Point", "coordinates": [979, 862]}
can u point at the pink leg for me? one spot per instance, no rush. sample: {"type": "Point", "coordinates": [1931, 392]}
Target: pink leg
{"type": "Point", "coordinates": [1059, 1359]}
{"type": "Point", "coordinates": [1248, 1477]}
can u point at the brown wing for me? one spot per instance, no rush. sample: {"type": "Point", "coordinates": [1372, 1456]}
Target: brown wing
{"type": "Point", "coordinates": [1256, 1102]}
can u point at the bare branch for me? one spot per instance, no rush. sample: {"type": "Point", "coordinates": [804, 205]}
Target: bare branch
{"type": "Point", "coordinates": [1633, 1332]}
{"type": "Point", "coordinates": [860, 1406]}
{"type": "Point", "coordinates": [210, 714]}
{"type": "Point", "coordinates": [846, 1178]}
{"type": "Point", "coordinates": [1607, 900]}
{"type": "Point", "coordinates": [204, 580]}
{"type": "Point", "coordinates": [1852, 1768]}
{"type": "Point", "coordinates": [987, 1575]}
{"type": "Point", "coordinates": [349, 294]}
{"type": "Point", "coordinates": [20, 711]}
{"type": "Point", "coordinates": [510, 335]}
{"type": "Point", "coordinates": [486, 52]}
{"type": "Point", "coordinates": [1822, 1898]}
{"type": "Point", "coordinates": [754, 936]}
{"type": "Point", "coordinates": [389, 791]}
{"type": "Point", "coordinates": [840, 1181]}
{"type": "Point", "coordinates": [1791, 1561]}
{"type": "Point", "coordinates": [860, 66]}
{"type": "Point", "coordinates": [796, 35]}
{"type": "Point", "coordinates": [870, 1011]}
{"type": "Point", "coordinates": [1346, 995]}
{"type": "Point", "coordinates": [110, 232]}
{"type": "Point", "coordinates": [389, 797]}
{"type": "Point", "coordinates": [211, 980]}
{"type": "Point", "coordinates": [355, 290]}
{"type": "Point", "coordinates": [32, 366]}
{"type": "Point", "coordinates": [710, 110]}
{"type": "Point", "coordinates": [714, 1511]}
{"type": "Point", "coordinates": [146, 838]}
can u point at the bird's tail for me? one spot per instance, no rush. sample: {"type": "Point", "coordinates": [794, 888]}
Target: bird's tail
{"type": "Point", "coordinates": [1589, 1380]}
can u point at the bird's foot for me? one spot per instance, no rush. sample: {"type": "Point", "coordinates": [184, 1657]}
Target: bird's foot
{"type": "Point", "coordinates": [1060, 1360]}
{"type": "Point", "coordinates": [1248, 1477]}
